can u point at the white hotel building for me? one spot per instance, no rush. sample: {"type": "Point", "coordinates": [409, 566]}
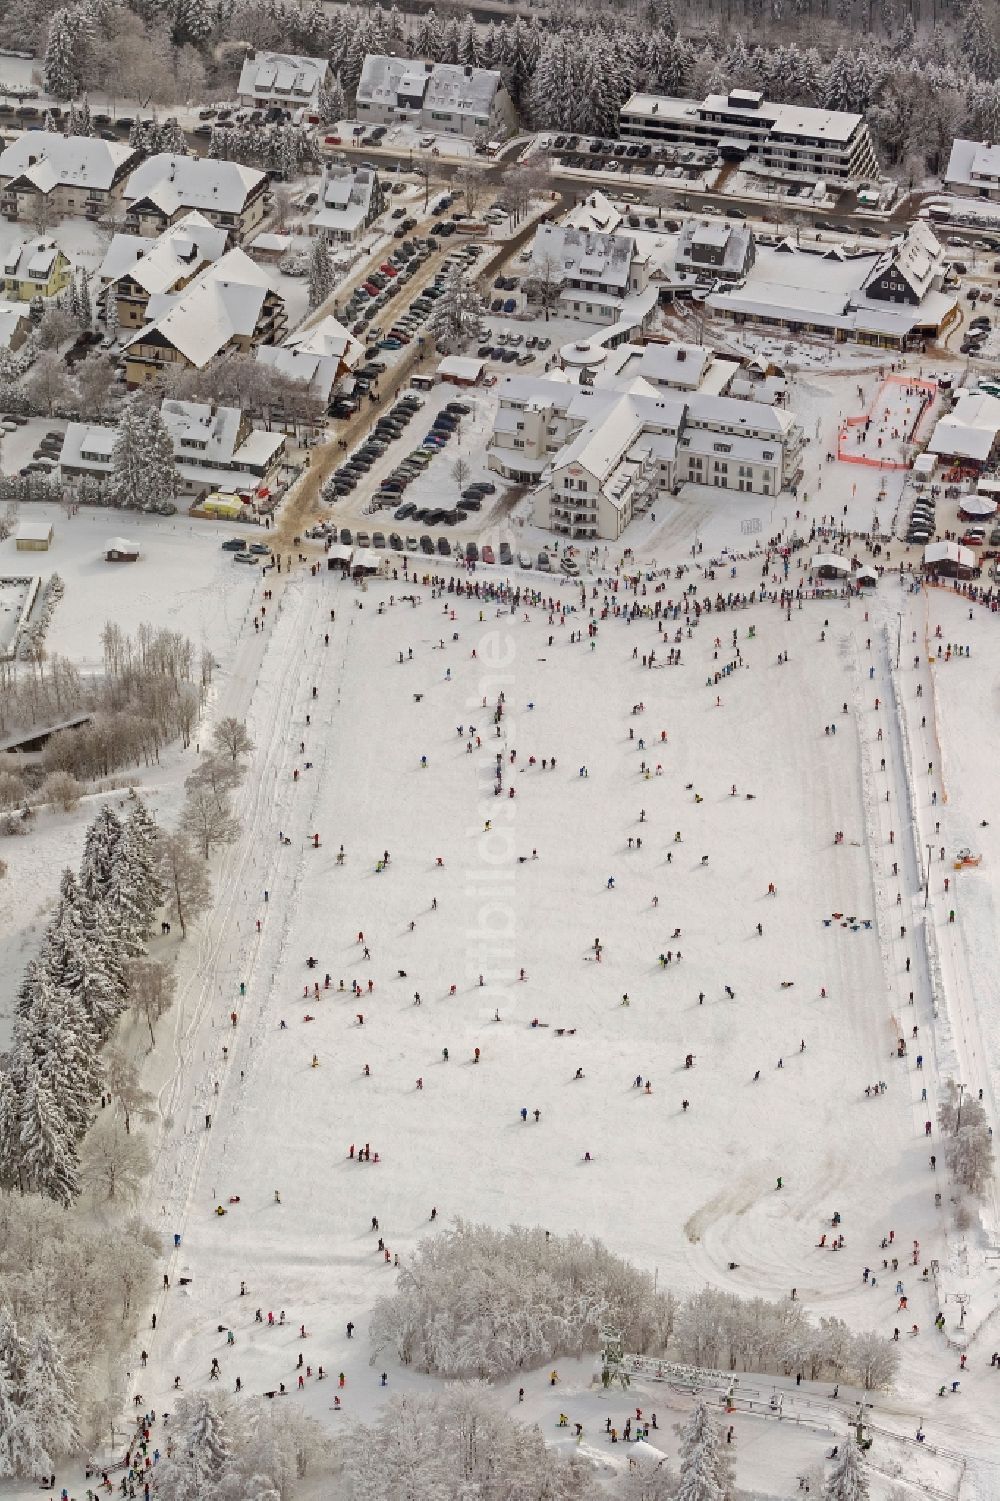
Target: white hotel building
{"type": "Point", "coordinates": [789, 139]}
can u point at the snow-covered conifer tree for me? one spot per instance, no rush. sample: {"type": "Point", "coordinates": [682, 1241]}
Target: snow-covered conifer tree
{"type": "Point", "coordinates": [49, 1161]}
{"type": "Point", "coordinates": [847, 1480]}
{"type": "Point", "coordinates": [321, 274]}
{"type": "Point", "coordinates": [49, 1412]}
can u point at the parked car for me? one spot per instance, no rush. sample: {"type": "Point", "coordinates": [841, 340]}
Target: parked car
{"type": "Point", "coordinates": [235, 544]}
{"type": "Point", "coordinates": [245, 557]}
{"type": "Point", "coordinates": [488, 554]}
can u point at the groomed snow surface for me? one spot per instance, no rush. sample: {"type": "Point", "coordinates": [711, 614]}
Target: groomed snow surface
{"type": "Point", "coordinates": [682, 1193]}
{"type": "Point", "coordinates": [685, 1193]}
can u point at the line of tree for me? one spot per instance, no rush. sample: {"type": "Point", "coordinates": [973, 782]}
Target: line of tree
{"type": "Point", "coordinates": [479, 1302]}
{"type": "Point", "coordinates": [55, 1076]}
{"type": "Point", "coordinates": [151, 692]}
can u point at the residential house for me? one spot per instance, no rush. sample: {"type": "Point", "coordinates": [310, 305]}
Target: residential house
{"type": "Point", "coordinates": [44, 172]}
{"type": "Point", "coordinates": [599, 274]}
{"type": "Point", "coordinates": [15, 325]}
{"type": "Point", "coordinates": [281, 79]}
{"type": "Point", "coordinates": [166, 187]}
{"type": "Point", "coordinates": [349, 200]}
{"type": "Point", "coordinates": [715, 250]}
{"type": "Point", "coordinates": [447, 98]}
{"type": "Point", "coordinates": [216, 448]}
{"type": "Point", "coordinates": [35, 268]}
{"type": "Point", "coordinates": [137, 267]}
{"type": "Point", "coordinates": [231, 307]}
{"type": "Point", "coordinates": [909, 269]}
{"type": "Point", "coordinates": [974, 169]}
{"type": "Point", "coordinates": [789, 140]}
{"type": "Point", "coordinates": [319, 357]}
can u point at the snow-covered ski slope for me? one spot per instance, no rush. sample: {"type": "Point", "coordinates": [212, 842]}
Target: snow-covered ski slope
{"type": "Point", "coordinates": [683, 1192]}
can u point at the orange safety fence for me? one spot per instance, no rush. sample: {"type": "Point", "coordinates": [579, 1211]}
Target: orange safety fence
{"type": "Point", "coordinates": [929, 386]}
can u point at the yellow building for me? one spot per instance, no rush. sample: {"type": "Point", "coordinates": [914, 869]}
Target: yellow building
{"type": "Point", "coordinates": [36, 268]}
{"type": "Point", "coordinates": [33, 536]}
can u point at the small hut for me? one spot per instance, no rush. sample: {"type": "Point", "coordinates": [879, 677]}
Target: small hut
{"type": "Point", "coordinates": [33, 536]}
{"type": "Point", "coordinates": [950, 560]}
{"type": "Point", "coordinates": [121, 550]}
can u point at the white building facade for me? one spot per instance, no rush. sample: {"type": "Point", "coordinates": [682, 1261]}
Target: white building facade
{"type": "Point", "coordinates": [789, 139]}
{"type": "Point", "coordinates": [596, 455]}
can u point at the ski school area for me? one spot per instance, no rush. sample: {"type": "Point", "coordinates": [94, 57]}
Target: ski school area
{"type": "Point", "coordinates": [879, 436]}
{"type": "Point", "coordinates": [539, 901]}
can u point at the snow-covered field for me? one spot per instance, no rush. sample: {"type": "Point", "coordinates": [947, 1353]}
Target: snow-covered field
{"type": "Point", "coordinates": [685, 1192]}
{"type": "Point", "coordinates": [755, 769]}
{"type": "Point", "coordinates": [183, 582]}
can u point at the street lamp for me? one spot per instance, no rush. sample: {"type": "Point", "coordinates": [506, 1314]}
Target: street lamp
{"type": "Point", "coordinates": [927, 883]}
{"type": "Point", "coordinates": [899, 636]}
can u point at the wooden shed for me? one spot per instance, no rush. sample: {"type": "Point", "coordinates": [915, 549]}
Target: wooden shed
{"type": "Point", "coordinates": [33, 536]}
{"type": "Point", "coordinates": [121, 550]}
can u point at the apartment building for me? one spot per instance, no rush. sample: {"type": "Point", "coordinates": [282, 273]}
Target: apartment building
{"type": "Point", "coordinates": [598, 454]}
{"type": "Point", "coordinates": [446, 98]}
{"type": "Point", "coordinates": [216, 448]}
{"type": "Point", "coordinates": [789, 139]}
{"type": "Point", "coordinates": [68, 175]}
{"type": "Point", "coordinates": [138, 267]}
{"type": "Point", "coordinates": [231, 307]}
{"type": "Point", "coordinates": [166, 187]}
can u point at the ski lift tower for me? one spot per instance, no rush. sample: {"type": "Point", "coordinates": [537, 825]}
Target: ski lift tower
{"type": "Point", "coordinates": [613, 1359]}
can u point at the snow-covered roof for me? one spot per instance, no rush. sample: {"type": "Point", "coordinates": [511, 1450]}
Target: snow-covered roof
{"type": "Point", "coordinates": [222, 303]}
{"type": "Point", "coordinates": [949, 552]}
{"type": "Point", "coordinates": [173, 182]}
{"type": "Point", "coordinates": [829, 560]}
{"type": "Point", "coordinates": [121, 544]}
{"type": "Point", "coordinates": [446, 88]}
{"type": "Point", "coordinates": [269, 241]}
{"type": "Point", "coordinates": [206, 439]}
{"type": "Point", "coordinates": [462, 90]}
{"type": "Point", "coordinates": [317, 356]}
{"type": "Point", "coordinates": [124, 252]}
{"type": "Point", "coordinates": [805, 286]}
{"type": "Point", "coordinates": [49, 160]}
{"type": "Point", "coordinates": [33, 531]}
{"type": "Point", "coordinates": [595, 212]}
{"type": "Point", "coordinates": [970, 430]}
{"type": "Point", "coordinates": [178, 254]}
{"type": "Point", "coordinates": [346, 200]}
{"type": "Point", "coordinates": [973, 163]}
{"type": "Point", "coordinates": [600, 447]}
{"type": "Point", "coordinates": [12, 315]}
{"type": "Point", "coordinates": [460, 367]}
{"type": "Point", "coordinates": [282, 78]}
{"type": "Point", "coordinates": [562, 253]}
{"type": "Point", "coordinates": [747, 107]}
{"type": "Point", "coordinates": [916, 257]}
{"type": "Point", "coordinates": [31, 261]}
